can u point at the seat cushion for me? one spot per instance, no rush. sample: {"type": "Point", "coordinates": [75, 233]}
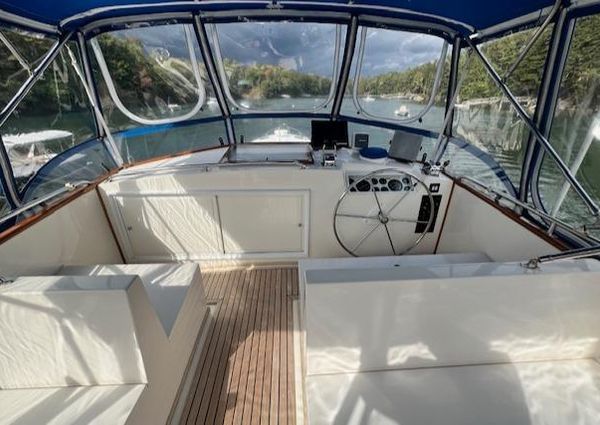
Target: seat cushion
{"type": "Point", "coordinates": [166, 284]}
{"type": "Point", "coordinates": [537, 393]}
{"type": "Point", "coordinates": [98, 405]}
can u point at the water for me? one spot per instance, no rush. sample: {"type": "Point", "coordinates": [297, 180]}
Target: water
{"type": "Point", "coordinates": [495, 130]}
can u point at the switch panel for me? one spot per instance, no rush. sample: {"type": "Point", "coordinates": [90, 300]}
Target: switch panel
{"type": "Point", "coordinates": [425, 211]}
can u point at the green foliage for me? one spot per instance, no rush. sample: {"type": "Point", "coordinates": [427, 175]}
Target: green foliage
{"type": "Point", "coordinates": [136, 73]}
{"type": "Point", "coordinates": [270, 81]}
{"type": "Point", "coordinates": [582, 73]}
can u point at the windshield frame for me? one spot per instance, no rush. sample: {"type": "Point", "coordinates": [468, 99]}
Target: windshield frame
{"type": "Point", "coordinates": [191, 42]}
{"type": "Point", "coordinates": [358, 72]}
{"type": "Point", "coordinates": [240, 109]}
{"type": "Point", "coordinates": [311, 14]}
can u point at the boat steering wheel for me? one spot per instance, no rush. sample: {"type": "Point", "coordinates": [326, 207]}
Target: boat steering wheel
{"type": "Point", "coordinates": [357, 219]}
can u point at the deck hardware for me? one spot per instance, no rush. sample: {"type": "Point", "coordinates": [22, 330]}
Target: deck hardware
{"type": "Point", "coordinates": [274, 5]}
{"type": "Point", "coordinates": [5, 280]}
{"type": "Point", "coordinates": [436, 169]}
{"type": "Point", "coordinates": [572, 254]}
{"type": "Point", "coordinates": [492, 193]}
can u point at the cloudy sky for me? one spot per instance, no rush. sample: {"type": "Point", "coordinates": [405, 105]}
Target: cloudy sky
{"type": "Point", "coordinates": [303, 47]}
{"type": "Point", "coordinates": [310, 47]}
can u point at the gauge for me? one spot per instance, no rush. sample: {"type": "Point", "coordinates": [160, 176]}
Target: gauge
{"type": "Point", "coordinates": [406, 181]}
{"type": "Point", "coordinates": [395, 185]}
{"type": "Point", "coordinates": [363, 186]}
{"type": "Point", "coordinates": [382, 181]}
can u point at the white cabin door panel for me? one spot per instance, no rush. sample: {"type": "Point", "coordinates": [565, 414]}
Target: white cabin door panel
{"type": "Point", "coordinates": [166, 227]}
{"type": "Point", "coordinates": [263, 222]}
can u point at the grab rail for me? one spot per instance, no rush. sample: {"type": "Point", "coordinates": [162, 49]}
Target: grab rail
{"type": "Point", "coordinates": [573, 254]}
{"type": "Point", "coordinates": [553, 220]}
{"type": "Point", "coordinates": [68, 187]}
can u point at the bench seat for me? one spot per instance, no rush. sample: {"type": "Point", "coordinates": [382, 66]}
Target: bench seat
{"type": "Point", "coordinates": [167, 326]}
{"type": "Point", "coordinates": [90, 405]}
{"type": "Point", "coordinates": [537, 393]}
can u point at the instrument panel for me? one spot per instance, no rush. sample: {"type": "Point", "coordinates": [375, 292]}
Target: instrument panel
{"type": "Point", "coordinates": [380, 184]}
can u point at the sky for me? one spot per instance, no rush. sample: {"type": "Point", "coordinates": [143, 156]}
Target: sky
{"type": "Point", "coordinates": [310, 47]}
{"type": "Point", "coordinates": [304, 47]}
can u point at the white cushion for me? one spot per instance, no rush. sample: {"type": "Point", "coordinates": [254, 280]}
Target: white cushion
{"type": "Point", "coordinates": [374, 319]}
{"type": "Point", "coordinates": [92, 405]}
{"type": "Point", "coordinates": [537, 393]}
{"type": "Point", "coordinates": [65, 331]}
{"type": "Point", "coordinates": [171, 299]}
{"type": "Point", "coordinates": [166, 284]}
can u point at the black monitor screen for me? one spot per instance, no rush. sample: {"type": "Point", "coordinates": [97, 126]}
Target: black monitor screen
{"type": "Point", "coordinates": [329, 134]}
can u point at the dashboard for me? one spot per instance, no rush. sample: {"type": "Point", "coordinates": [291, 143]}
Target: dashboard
{"type": "Point", "coordinates": [391, 183]}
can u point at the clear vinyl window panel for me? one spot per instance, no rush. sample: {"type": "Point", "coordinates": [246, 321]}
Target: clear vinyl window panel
{"type": "Point", "coordinates": [4, 205]}
{"type": "Point", "coordinates": [399, 76]}
{"type": "Point", "coordinates": [278, 66]}
{"type": "Point", "coordinates": [152, 75]}
{"type": "Point", "coordinates": [20, 53]}
{"type": "Point", "coordinates": [54, 117]}
{"type": "Point", "coordinates": [273, 130]}
{"type": "Point", "coordinates": [486, 119]}
{"type": "Point", "coordinates": [575, 132]}
{"type": "Point", "coordinates": [183, 137]}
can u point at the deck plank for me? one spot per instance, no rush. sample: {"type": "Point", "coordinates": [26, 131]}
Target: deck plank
{"type": "Point", "coordinates": [246, 369]}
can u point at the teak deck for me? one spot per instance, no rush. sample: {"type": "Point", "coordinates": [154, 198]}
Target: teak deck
{"type": "Point", "coordinates": [246, 369]}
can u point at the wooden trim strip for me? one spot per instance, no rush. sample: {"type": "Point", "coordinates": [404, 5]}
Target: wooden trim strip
{"type": "Point", "coordinates": [26, 223]}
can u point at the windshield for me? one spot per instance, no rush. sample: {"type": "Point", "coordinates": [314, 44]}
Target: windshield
{"type": "Point", "coordinates": [397, 77]}
{"type": "Point", "coordinates": [278, 66]}
{"type": "Point", "coordinates": [152, 74]}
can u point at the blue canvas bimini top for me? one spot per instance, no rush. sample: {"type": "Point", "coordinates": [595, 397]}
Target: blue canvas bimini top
{"type": "Point", "coordinates": [475, 14]}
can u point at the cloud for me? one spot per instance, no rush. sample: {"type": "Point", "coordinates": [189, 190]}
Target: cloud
{"type": "Point", "coordinates": [303, 47]}
{"type": "Point", "coordinates": [388, 50]}
{"type": "Point", "coordinates": [307, 48]}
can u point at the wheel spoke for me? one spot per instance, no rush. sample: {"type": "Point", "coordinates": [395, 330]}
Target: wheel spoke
{"type": "Point", "coordinates": [404, 195]}
{"type": "Point", "coordinates": [387, 231]}
{"type": "Point", "coordinates": [365, 236]}
{"type": "Point", "coordinates": [378, 203]}
{"type": "Point", "coordinates": [407, 220]}
{"type": "Point", "coordinates": [358, 216]}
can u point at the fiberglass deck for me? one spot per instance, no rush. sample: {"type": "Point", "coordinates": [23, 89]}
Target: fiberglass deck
{"type": "Point", "coordinates": [246, 369]}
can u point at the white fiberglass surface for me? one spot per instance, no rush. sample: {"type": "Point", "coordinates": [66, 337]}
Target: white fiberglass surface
{"type": "Point", "coordinates": [538, 393]}
{"type": "Point", "coordinates": [426, 320]}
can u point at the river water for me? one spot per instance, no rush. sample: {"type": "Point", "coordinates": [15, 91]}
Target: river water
{"type": "Point", "coordinates": [493, 128]}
